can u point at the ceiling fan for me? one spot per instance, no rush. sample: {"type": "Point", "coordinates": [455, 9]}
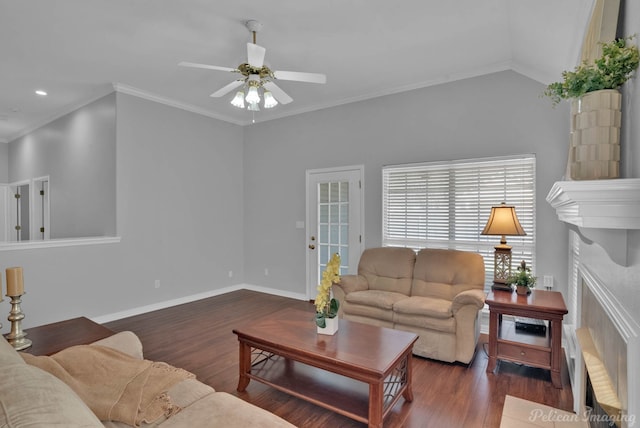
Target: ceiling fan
{"type": "Point", "coordinates": [255, 75]}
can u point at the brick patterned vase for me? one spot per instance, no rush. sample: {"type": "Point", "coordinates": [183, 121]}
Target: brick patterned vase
{"type": "Point", "coordinates": [595, 135]}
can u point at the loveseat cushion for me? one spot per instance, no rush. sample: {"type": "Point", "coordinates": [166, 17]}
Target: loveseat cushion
{"type": "Point", "coordinates": [31, 397]}
{"type": "Point", "coordinates": [425, 306]}
{"type": "Point", "coordinates": [376, 304]}
{"type": "Point", "coordinates": [443, 274]}
{"type": "Point", "coordinates": [425, 312]}
{"type": "Point", "coordinates": [375, 298]}
{"type": "Point", "coordinates": [388, 268]}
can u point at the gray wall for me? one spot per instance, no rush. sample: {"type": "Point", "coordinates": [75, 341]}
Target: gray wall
{"type": "Point", "coordinates": [78, 153]}
{"type": "Point", "coordinates": [493, 115]}
{"type": "Point", "coordinates": [179, 208]}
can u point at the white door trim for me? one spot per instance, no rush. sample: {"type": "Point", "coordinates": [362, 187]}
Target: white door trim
{"type": "Point", "coordinates": [310, 289]}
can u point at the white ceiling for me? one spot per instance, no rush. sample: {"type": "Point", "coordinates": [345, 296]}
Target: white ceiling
{"type": "Point", "coordinates": [78, 50]}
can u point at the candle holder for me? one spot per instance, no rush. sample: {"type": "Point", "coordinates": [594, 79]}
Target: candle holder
{"type": "Point", "coordinates": [17, 337]}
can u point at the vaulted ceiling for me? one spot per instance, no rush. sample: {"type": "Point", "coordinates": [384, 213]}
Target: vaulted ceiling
{"type": "Point", "coordinates": [78, 50]}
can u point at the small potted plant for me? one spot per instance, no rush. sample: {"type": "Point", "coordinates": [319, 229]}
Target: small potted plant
{"type": "Point", "coordinates": [326, 306]}
{"type": "Point", "coordinates": [523, 280]}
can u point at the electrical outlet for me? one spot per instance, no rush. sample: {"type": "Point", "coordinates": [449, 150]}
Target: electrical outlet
{"type": "Point", "coordinates": [230, 274]}
{"type": "Point", "coordinates": [157, 283]}
{"type": "Point", "coordinates": [547, 281]}
{"type": "Point", "coordinates": [266, 271]}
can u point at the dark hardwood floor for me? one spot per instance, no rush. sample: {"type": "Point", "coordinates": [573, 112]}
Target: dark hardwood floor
{"type": "Point", "coordinates": [198, 337]}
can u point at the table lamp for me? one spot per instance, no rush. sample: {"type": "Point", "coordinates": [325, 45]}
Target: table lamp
{"type": "Point", "coordinates": [503, 221]}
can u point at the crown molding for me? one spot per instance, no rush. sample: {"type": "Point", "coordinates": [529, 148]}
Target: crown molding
{"type": "Point", "coordinates": [130, 90]}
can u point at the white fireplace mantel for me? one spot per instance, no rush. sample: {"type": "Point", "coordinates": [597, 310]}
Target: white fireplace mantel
{"type": "Point", "coordinates": [601, 211]}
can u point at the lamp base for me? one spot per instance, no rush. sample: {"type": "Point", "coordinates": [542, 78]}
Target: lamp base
{"type": "Point", "coordinates": [501, 287]}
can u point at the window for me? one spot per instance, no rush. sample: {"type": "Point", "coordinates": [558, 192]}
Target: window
{"type": "Point", "coordinates": [447, 204]}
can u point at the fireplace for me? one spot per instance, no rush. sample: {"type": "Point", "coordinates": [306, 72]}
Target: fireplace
{"type": "Point", "coordinates": [605, 214]}
{"type": "Point", "coordinates": [606, 386]}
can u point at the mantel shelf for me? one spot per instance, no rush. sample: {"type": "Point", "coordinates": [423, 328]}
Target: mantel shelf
{"type": "Point", "coordinates": [601, 211]}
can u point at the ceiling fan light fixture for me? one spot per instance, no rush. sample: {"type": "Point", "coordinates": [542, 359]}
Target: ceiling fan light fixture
{"type": "Point", "coordinates": [253, 97]}
{"type": "Point", "coordinates": [238, 100]}
{"type": "Point", "coordinates": [269, 100]}
{"type": "Point", "coordinates": [253, 107]}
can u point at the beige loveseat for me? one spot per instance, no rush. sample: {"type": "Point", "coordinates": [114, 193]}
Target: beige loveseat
{"type": "Point", "coordinates": [436, 294]}
{"type": "Point", "coordinates": [31, 397]}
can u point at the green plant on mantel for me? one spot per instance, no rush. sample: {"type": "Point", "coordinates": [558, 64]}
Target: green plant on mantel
{"type": "Point", "coordinates": [616, 65]}
{"type": "Point", "coordinates": [523, 277]}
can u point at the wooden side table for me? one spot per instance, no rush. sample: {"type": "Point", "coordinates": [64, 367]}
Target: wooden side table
{"type": "Point", "coordinates": [51, 338]}
{"type": "Point", "coordinates": [533, 350]}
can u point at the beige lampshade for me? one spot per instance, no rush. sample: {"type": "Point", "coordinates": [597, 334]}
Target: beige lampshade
{"type": "Point", "coordinates": [503, 221]}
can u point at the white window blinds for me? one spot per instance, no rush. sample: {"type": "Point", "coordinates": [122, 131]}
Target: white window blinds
{"type": "Point", "coordinates": [447, 204]}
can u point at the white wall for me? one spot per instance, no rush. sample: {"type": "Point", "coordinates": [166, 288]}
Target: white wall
{"type": "Point", "coordinates": [4, 163]}
{"type": "Point", "coordinates": [492, 115]}
{"type": "Point", "coordinates": [624, 281]}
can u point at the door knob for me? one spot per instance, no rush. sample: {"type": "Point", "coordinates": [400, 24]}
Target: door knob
{"type": "Point", "coordinates": [311, 246]}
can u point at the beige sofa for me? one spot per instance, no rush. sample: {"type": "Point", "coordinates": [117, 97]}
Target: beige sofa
{"type": "Point", "coordinates": [31, 397]}
{"type": "Point", "coordinates": [436, 294]}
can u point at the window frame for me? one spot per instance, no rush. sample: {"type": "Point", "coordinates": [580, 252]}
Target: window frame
{"type": "Point", "coordinates": [463, 231]}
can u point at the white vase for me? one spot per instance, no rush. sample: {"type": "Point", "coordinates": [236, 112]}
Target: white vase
{"type": "Point", "coordinates": [595, 136]}
{"type": "Point", "coordinates": [330, 328]}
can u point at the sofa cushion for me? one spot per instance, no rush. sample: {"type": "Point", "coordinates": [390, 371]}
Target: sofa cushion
{"type": "Point", "coordinates": [425, 306]}
{"type": "Point", "coordinates": [445, 273]}
{"type": "Point", "coordinates": [375, 298]}
{"type": "Point", "coordinates": [30, 396]}
{"type": "Point", "coordinates": [375, 304]}
{"type": "Point", "coordinates": [8, 355]}
{"type": "Point", "coordinates": [443, 325]}
{"type": "Point", "coordinates": [388, 268]}
{"type": "Point", "coordinates": [425, 312]}
{"type": "Point", "coordinates": [124, 341]}
{"type": "Point", "coordinates": [221, 409]}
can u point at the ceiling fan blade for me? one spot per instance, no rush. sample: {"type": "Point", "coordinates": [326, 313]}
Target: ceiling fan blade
{"type": "Point", "coordinates": [227, 88]}
{"type": "Point", "coordinates": [278, 93]}
{"type": "Point", "coordinates": [205, 66]}
{"type": "Point", "coordinates": [255, 55]}
{"type": "Point", "coordinates": [300, 76]}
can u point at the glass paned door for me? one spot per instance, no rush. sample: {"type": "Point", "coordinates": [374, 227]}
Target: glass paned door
{"type": "Point", "coordinates": [333, 222]}
{"type": "Point", "coordinates": [334, 219]}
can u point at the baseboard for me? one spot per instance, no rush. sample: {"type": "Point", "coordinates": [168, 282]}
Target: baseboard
{"type": "Point", "coordinates": [192, 298]}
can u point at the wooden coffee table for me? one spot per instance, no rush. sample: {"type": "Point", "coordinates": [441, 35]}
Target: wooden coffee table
{"type": "Point", "coordinates": [359, 372]}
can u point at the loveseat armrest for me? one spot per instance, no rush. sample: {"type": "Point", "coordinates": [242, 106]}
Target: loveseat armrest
{"type": "Point", "coordinates": [125, 341]}
{"type": "Point", "coordinates": [348, 284]}
{"type": "Point", "coordinates": [351, 283]}
{"type": "Point", "coordinates": [473, 297]}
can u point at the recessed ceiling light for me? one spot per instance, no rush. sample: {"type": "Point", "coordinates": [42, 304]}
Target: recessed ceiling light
{"type": "Point", "coordinates": [41, 93]}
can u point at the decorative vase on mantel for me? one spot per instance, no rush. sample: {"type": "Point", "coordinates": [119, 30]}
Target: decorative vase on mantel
{"type": "Point", "coordinates": [331, 326]}
{"type": "Point", "coordinates": [594, 151]}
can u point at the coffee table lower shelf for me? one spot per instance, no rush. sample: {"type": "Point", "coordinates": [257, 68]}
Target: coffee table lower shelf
{"type": "Point", "coordinates": [340, 394]}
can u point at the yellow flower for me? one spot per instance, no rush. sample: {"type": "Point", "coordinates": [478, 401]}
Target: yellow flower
{"type": "Point", "coordinates": [330, 275]}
